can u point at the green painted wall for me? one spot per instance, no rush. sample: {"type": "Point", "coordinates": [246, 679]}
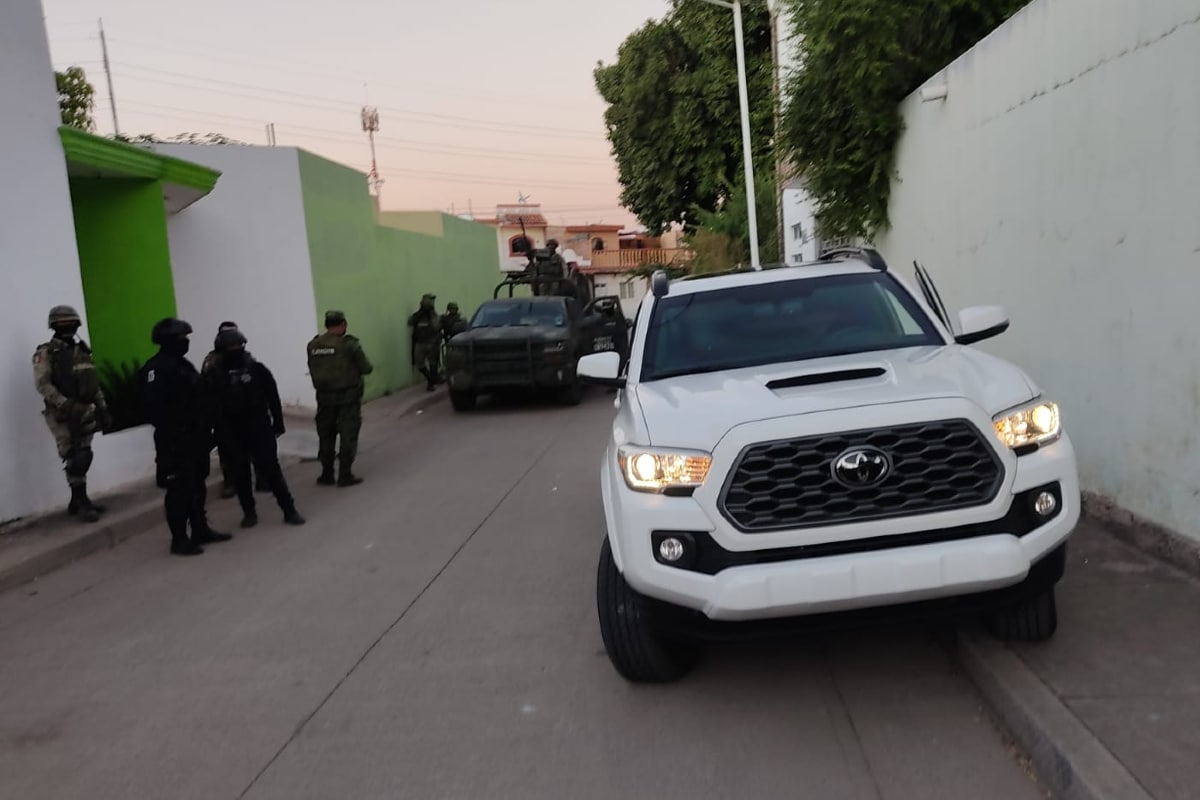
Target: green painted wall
{"type": "Point", "coordinates": [377, 273]}
{"type": "Point", "coordinates": [125, 263]}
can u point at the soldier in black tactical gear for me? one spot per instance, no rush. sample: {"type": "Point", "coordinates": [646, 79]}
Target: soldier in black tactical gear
{"type": "Point", "coordinates": [228, 485]}
{"type": "Point", "coordinates": [183, 416]}
{"type": "Point", "coordinates": [250, 418]}
{"type": "Point", "coordinates": [75, 409]}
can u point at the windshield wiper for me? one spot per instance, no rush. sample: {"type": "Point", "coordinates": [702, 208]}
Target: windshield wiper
{"type": "Point", "coordinates": [679, 373]}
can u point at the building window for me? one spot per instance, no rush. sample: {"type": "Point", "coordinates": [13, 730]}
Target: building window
{"type": "Point", "coordinates": [798, 232]}
{"type": "Point", "coordinates": [597, 244]}
{"type": "Point", "coordinates": [519, 245]}
{"type": "Point", "coordinates": [627, 290]}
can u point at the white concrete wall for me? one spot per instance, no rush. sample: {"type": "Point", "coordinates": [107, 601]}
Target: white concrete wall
{"type": "Point", "coordinates": [610, 286]}
{"type": "Point", "coordinates": [1061, 177]}
{"type": "Point", "coordinates": [39, 265]}
{"type": "Point", "coordinates": [241, 254]}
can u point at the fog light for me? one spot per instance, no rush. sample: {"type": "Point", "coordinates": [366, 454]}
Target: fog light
{"type": "Point", "coordinates": [1045, 504]}
{"type": "Point", "coordinates": [671, 549]}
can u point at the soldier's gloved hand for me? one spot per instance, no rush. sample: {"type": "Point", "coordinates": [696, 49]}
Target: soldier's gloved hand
{"type": "Point", "coordinates": [104, 418]}
{"type": "Point", "coordinates": [280, 430]}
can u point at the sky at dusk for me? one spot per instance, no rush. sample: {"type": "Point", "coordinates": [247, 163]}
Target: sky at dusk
{"type": "Point", "coordinates": [478, 99]}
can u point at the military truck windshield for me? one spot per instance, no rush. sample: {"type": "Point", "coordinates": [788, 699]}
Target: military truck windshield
{"type": "Point", "coordinates": [772, 323]}
{"type": "Point", "coordinates": [508, 313]}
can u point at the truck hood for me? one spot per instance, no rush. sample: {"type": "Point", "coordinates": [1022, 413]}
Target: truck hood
{"type": "Point", "coordinates": [695, 411]}
{"type": "Point", "coordinates": [511, 333]}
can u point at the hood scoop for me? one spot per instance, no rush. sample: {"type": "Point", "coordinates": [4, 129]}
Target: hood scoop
{"type": "Point", "coordinates": [817, 378]}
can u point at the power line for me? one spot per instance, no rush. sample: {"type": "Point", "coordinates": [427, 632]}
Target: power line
{"type": "Point", "coordinates": [273, 63]}
{"type": "Point", "coordinates": [335, 103]}
{"type": "Point", "coordinates": [407, 144]}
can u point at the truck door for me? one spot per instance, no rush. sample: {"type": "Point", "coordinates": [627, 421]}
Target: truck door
{"type": "Point", "coordinates": [605, 327]}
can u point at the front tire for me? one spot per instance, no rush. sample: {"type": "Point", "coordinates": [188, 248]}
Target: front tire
{"type": "Point", "coordinates": [1032, 620]}
{"type": "Point", "coordinates": [637, 650]}
{"type": "Point", "coordinates": [572, 393]}
{"type": "Point", "coordinates": [462, 401]}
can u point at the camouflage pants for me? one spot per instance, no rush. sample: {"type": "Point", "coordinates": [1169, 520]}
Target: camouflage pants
{"type": "Point", "coordinates": [75, 449]}
{"type": "Point", "coordinates": [334, 420]}
{"type": "Point", "coordinates": [426, 355]}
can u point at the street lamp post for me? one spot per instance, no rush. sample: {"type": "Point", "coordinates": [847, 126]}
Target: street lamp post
{"type": "Point", "coordinates": [743, 97]}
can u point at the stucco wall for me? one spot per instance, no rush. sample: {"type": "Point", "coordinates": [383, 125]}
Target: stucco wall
{"type": "Point", "coordinates": [38, 264]}
{"type": "Point", "coordinates": [376, 274]}
{"type": "Point", "coordinates": [1060, 178]}
{"type": "Point", "coordinates": [241, 254]}
{"type": "Point", "coordinates": [124, 260]}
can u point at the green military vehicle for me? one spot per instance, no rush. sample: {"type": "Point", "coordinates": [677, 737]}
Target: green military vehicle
{"type": "Point", "coordinates": [531, 343]}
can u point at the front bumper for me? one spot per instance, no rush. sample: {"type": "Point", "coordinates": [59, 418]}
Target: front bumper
{"type": "Point", "coordinates": [728, 575]}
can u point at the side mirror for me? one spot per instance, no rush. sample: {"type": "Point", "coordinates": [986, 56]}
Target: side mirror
{"type": "Point", "coordinates": [602, 369]}
{"type": "Point", "coordinates": [981, 322]}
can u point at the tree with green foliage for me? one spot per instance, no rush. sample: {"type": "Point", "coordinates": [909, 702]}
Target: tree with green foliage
{"type": "Point", "coordinates": [673, 116]}
{"type": "Point", "coordinates": [859, 59]}
{"type": "Point", "coordinates": [76, 98]}
{"type": "Point", "coordinates": [721, 238]}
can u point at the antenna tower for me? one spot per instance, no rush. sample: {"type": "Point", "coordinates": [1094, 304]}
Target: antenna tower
{"type": "Point", "coordinates": [370, 124]}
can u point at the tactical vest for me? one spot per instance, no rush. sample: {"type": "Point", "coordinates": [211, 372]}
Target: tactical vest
{"type": "Point", "coordinates": [241, 393]}
{"type": "Point", "coordinates": [426, 327]}
{"type": "Point", "coordinates": [330, 365]}
{"type": "Point", "coordinates": [73, 373]}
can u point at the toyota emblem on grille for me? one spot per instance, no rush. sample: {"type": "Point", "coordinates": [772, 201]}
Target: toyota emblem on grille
{"type": "Point", "coordinates": [860, 467]}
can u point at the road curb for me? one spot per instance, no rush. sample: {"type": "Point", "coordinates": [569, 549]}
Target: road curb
{"type": "Point", "coordinates": [105, 534]}
{"type": "Point", "coordinates": [1067, 757]}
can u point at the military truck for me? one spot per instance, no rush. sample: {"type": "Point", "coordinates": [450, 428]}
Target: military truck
{"type": "Point", "coordinates": [531, 343]}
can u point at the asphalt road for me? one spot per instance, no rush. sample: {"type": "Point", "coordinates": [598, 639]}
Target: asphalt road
{"type": "Point", "coordinates": [432, 634]}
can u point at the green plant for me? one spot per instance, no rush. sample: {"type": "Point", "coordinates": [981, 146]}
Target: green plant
{"type": "Point", "coordinates": [122, 387]}
{"type": "Point", "coordinates": [860, 59]}
{"type": "Point", "coordinates": [76, 98]}
{"type": "Point", "coordinates": [731, 224]}
{"type": "Point", "coordinates": [672, 111]}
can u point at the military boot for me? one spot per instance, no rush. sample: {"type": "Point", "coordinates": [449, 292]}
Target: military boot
{"type": "Point", "coordinates": [206, 535]}
{"type": "Point", "coordinates": [181, 545]}
{"type": "Point", "coordinates": [250, 519]}
{"type": "Point", "coordinates": [346, 476]}
{"type": "Point", "coordinates": [292, 517]}
{"type": "Point", "coordinates": [81, 506]}
{"type": "Point", "coordinates": [326, 478]}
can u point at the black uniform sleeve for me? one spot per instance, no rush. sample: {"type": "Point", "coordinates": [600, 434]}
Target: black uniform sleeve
{"type": "Point", "coordinates": [271, 390]}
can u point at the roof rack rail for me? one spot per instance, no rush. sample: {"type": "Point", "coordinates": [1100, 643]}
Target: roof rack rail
{"type": "Point", "coordinates": [868, 254]}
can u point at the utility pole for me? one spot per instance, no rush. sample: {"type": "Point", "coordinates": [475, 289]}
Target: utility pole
{"type": "Point", "coordinates": [112, 98]}
{"type": "Point", "coordinates": [370, 124]}
{"type": "Point", "coordinates": [780, 177]}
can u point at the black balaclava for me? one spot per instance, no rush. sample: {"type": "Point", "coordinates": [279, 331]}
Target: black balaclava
{"type": "Point", "coordinates": [176, 346]}
{"type": "Point", "coordinates": [66, 330]}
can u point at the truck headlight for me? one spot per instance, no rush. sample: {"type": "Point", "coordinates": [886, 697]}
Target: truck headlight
{"type": "Point", "coordinates": [1032, 425]}
{"type": "Point", "coordinates": [663, 471]}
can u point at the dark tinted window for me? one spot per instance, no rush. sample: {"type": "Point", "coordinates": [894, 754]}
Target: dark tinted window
{"type": "Point", "coordinates": [784, 321]}
{"type": "Point", "coordinates": [491, 315]}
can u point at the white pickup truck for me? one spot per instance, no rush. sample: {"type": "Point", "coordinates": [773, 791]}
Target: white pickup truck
{"type": "Point", "coordinates": [816, 442]}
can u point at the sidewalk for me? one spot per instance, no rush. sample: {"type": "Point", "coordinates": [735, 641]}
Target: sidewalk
{"type": "Point", "coordinates": [1110, 708]}
{"type": "Point", "coordinates": [38, 546]}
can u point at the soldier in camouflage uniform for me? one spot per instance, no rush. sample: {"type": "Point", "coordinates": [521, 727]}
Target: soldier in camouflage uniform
{"type": "Point", "coordinates": [229, 469]}
{"type": "Point", "coordinates": [426, 340]}
{"type": "Point", "coordinates": [452, 322]}
{"type": "Point", "coordinates": [75, 410]}
{"type": "Point", "coordinates": [338, 365]}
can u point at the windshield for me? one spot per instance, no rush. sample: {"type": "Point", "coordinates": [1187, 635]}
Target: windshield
{"type": "Point", "coordinates": [493, 315]}
{"type": "Point", "coordinates": [772, 323]}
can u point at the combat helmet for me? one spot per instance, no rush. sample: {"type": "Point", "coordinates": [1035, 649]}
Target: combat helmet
{"type": "Point", "coordinates": [229, 339]}
{"type": "Point", "coordinates": [63, 314]}
{"type": "Point", "coordinates": [169, 328]}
